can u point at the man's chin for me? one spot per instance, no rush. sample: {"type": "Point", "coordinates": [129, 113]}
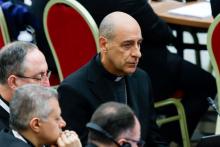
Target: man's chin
{"type": "Point", "coordinates": [52, 142]}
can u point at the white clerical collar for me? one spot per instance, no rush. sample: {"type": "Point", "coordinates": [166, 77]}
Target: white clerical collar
{"type": "Point", "coordinates": [4, 106]}
{"type": "Point", "coordinates": [118, 79]}
{"type": "Point", "coordinates": [17, 135]}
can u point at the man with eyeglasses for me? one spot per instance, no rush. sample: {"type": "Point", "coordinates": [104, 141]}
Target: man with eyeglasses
{"type": "Point", "coordinates": [114, 124]}
{"type": "Point", "coordinates": [20, 63]}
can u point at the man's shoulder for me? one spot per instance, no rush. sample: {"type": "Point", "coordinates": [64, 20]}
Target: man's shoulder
{"type": "Point", "coordinates": [3, 112]}
{"type": "Point", "coordinates": [3, 123]}
{"type": "Point", "coordinates": [139, 70]}
{"type": "Point", "coordinates": [140, 73]}
{"type": "Point", "coordinates": [8, 139]}
{"type": "Point", "coordinates": [4, 119]}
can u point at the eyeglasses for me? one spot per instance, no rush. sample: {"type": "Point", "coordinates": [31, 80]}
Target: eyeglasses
{"type": "Point", "coordinates": [140, 143]}
{"type": "Point", "coordinates": [40, 77]}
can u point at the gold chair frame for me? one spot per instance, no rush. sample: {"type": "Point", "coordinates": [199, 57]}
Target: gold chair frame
{"type": "Point", "coordinates": [4, 28]}
{"type": "Point", "coordinates": [179, 117]}
{"type": "Point", "coordinates": [210, 33]}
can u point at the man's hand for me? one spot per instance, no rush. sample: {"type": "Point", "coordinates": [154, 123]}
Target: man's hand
{"type": "Point", "coordinates": [68, 139]}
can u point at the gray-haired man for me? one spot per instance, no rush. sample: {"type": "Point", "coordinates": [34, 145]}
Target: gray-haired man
{"type": "Point", "coordinates": [35, 120]}
{"type": "Point", "coordinates": [20, 63]}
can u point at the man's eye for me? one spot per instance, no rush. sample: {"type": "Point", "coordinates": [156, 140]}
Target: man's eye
{"type": "Point", "coordinates": [139, 43]}
{"type": "Point", "coordinates": [58, 119]}
{"type": "Point", "coordinates": [39, 76]}
{"type": "Point", "coordinates": [127, 45]}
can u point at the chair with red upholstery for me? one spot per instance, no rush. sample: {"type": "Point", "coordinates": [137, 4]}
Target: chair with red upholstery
{"type": "Point", "coordinates": [213, 45]}
{"type": "Point", "coordinates": [72, 35]}
{"type": "Point", "coordinates": [4, 36]}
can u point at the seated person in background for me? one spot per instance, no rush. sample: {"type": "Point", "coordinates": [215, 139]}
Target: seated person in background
{"type": "Point", "coordinates": [25, 24]}
{"type": "Point", "coordinates": [20, 63]}
{"type": "Point", "coordinates": [111, 75]}
{"type": "Point", "coordinates": [168, 72]}
{"type": "Point", "coordinates": [215, 6]}
{"type": "Point", "coordinates": [35, 120]}
{"type": "Point", "coordinates": [114, 124]}
{"type": "Point", "coordinates": [17, 17]}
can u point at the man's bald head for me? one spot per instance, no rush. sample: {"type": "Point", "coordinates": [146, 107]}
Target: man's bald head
{"type": "Point", "coordinates": [114, 21]}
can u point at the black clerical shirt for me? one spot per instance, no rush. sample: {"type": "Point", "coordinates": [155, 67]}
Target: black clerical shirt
{"type": "Point", "coordinates": [118, 83]}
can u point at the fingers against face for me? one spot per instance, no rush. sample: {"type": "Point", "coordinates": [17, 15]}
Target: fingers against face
{"type": "Point", "coordinates": [69, 139]}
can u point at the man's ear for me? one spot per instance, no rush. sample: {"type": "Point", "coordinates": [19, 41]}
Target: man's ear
{"type": "Point", "coordinates": [35, 124]}
{"type": "Point", "coordinates": [12, 82]}
{"type": "Point", "coordinates": [121, 141]}
{"type": "Point", "coordinates": [103, 43]}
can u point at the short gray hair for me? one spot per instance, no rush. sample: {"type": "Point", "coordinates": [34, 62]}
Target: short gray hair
{"type": "Point", "coordinates": [106, 28]}
{"type": "Point", "coordinates": [11, 58]}
{"type": "Point", "coordinates": [30, 101]}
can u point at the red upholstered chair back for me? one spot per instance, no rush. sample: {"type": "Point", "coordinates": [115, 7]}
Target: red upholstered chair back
{"type": "Point", "coordinates": [1, 39]}
{"type": "Point", "coordinates": [4, 36]}
{"type": "Point", "coordinates": [72, 35]}
{"type": "Point", "coordinates": [213, 45]}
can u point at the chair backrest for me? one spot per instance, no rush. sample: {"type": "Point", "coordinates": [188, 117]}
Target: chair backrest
{"type": "Point", "coordinates": [72, 35]}
{"type": "Point", "coordinates": [4, 36]}
{"type": "Point", "coordinates": [213, 45]}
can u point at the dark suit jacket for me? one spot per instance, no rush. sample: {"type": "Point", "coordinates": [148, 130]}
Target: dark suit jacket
{"type": "Point", "coordinates": [7, 139]}
{"type": "Point", "coordinates": [83, 91]}
{"type": "Point", "coordinates": [4, 118]}
{"type": "Point", "coordinates": [215, 5]}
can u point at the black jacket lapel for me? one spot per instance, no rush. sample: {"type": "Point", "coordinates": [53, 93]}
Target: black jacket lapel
{"type": "Point", "coordinates": [99, 84]}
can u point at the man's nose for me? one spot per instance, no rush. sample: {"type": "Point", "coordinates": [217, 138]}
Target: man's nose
{"type": "Point", "coordinates": [137, 52]}
{"type": "Point", "coordinates": [62, 123]}
{"type": "Point", "coordinates": [45, 82]}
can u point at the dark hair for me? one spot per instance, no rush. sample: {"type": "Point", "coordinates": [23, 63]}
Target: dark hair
{"type": "Point", "coordinates": [114, 118]}
{"type": "Point", "coordinates": [12, 57]}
